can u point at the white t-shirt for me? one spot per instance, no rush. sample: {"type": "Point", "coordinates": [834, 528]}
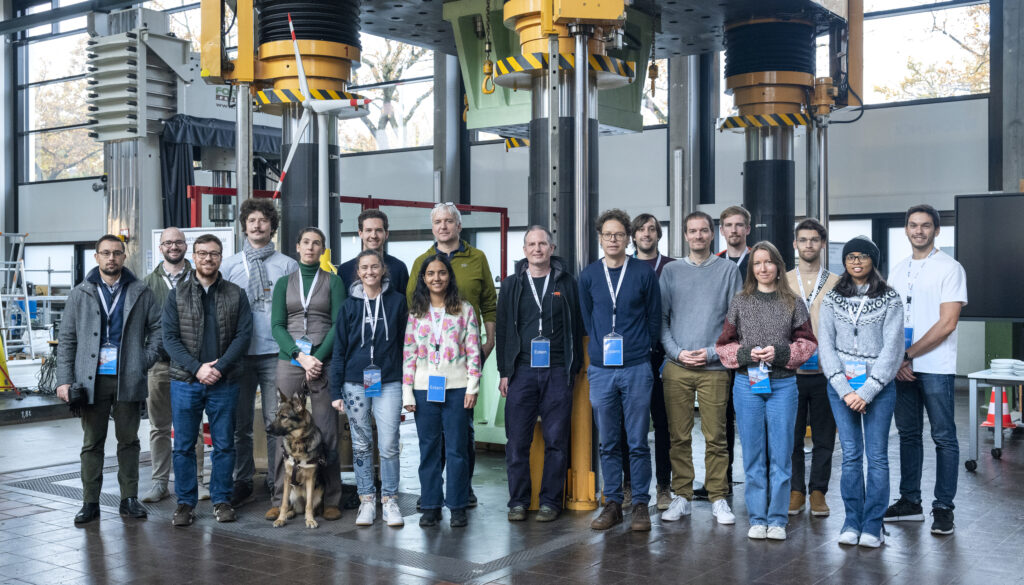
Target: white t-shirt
{"type": "Point", "coordinates": [930, 282]}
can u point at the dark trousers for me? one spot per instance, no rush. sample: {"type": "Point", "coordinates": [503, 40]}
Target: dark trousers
{"type": "Point", "coordinates": [533, 392]}
{"type": "Point", "coordinates": [813, 407]}
{"type": "Point", "coordinates": [95, 421]}
{"type": "Point", "coordinates": [730, 429]}
{"type": "Point", "coordinates": [435, 420]}
{"type": "Point", "coordinates": [659, 417]}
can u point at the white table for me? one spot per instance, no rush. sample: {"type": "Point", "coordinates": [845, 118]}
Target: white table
{"type": "Point", "coordinates": [1001, 381]}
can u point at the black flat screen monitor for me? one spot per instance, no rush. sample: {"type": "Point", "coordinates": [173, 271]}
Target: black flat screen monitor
{"type": "Point", "coordinates": [990, 247]}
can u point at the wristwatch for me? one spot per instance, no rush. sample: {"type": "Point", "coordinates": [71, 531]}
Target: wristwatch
{"type": "Point", "coordinates": [906, 357]}
{"type": "Point", "coordinates": [295, 354]}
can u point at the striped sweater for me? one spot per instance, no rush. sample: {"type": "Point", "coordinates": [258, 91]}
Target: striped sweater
{"type": "Point", "coordinates": [763, 319]}
{"type": "Point", "coordinates": [877, 339]}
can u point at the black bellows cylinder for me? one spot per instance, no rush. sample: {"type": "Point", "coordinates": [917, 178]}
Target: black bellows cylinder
{"type": "Point", "coordinates": [538, 205]}
{"type": "Point", "coordinates": [769, 191]}
{"type": "Point", "coordinates": [319, 20]}
{"type": "Point", "coordinates": [769, 46]}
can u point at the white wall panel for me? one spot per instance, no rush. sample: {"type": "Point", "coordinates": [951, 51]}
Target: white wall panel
{"type": "Point", "coordinates": [61, 211]}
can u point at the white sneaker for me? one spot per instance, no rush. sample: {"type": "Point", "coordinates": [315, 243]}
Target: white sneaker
{"type": "Point", "coordinates": [367, 510]}
{"type": "Point", "coordinates": [391, 514]}
{"type": "Point", "coordinates": [849, 537]}
{"type": "Point", "coordinates": [870, 541]}
{"type": "Point", "coordinates": [204, 492]}
{"type": "Point", "coordinates": [720, 510]}
{"type": "Point", "coordinates": [679, 507]}
{"type": "Point", "coordinates": [758, 532]}
{"type": "Point", "coordinates": [776, 533]}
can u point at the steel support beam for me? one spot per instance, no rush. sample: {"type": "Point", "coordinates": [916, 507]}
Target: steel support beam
{"type": "Point", "coordinates": [243, 152]}
{"type": "Point", "coordinates": [12, 25]}
{"type": "Point", "coordinates": [1013, 94]}
{"type": "Point", "coordinates": [8, 128]}
{"type": "Point", "coordinates": [450, 154]}
{"type": "Point", "coordinates": [683, 147]}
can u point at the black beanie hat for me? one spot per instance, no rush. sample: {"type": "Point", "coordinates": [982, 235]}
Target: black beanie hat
{"type": "Point", "coordinates": [862, 245]}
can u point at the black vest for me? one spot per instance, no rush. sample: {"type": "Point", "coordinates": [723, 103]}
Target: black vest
{"type": "Point", "coordinates": [189, 299]}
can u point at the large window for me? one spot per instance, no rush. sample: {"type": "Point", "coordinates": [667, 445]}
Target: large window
{"type": "Point", "coordinates": [928, 54]}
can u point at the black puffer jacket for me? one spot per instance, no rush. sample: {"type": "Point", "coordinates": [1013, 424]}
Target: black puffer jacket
{"type": "Point", "coordinates": [566, 297]}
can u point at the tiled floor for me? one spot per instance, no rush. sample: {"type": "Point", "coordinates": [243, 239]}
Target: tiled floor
{"type": "Point", "coordinates": [39, 543]}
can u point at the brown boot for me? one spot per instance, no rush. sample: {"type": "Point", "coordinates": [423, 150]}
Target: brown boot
{"type": "Point", "coordinates": [818, 506]}
{"type": "Point", "coordinates": [610, 516]}
{"type": "Point", "coordinates": [331, 513]}
{"type": "Point", "coordinates": [641, 519]}
{"type": "Point", "coordinates": [796, 503]}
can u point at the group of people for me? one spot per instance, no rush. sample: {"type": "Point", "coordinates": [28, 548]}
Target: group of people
{"type": "Point", "coordinates": [760, 349]}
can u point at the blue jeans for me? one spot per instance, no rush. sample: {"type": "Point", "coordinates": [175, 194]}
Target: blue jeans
{"type": "Point", "coordinates": [434, 419]}
{"type": "Point", "coordinates": [387, 412]}
{"type": "Point", "coordinates": [765, 423]}
{"type": "Point", "coordinates": [860, 435]}
{"type": "Point", "coordinates": [622, 396]}
{"type": "Point", "coordinates": [934, 393]}
{"type": "Point", "coordinates": [188, 400]}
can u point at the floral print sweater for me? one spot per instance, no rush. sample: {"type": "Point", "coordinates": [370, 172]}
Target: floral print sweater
{"type": "Point", "coordinates": [456, 355]}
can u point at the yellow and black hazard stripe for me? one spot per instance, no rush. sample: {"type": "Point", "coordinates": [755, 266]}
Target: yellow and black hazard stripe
{"type": "Point", "coordinates": [513, 142]}
{"type": "Point", "coordinates": [288, 96]}
{"type": "Point", "coordinates": [567, 62]}
{"type": "Point", "coordinates": [763, 120]}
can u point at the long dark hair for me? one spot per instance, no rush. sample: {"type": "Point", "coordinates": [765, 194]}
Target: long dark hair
{"type": "Point", "coordinates": [876, 285]}
{"type": "Point", "coordinates": [421, 295]}
{"type": "Point", "coordinates": [782, 287]}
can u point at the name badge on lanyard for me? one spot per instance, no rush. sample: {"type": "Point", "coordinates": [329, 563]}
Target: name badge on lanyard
{"type": "Point", "coordinates": [760, 382]}
{"type": "Point", "coordinates": [372, 384]}
{"type": "Point", "coordinates": [908, 315]}
{"type": "Point", "coordinates": [304, 343]}
{"type": "Point", "coordinates": [856, 373]}
{"type": "Point", "coordinates": [613, 346]}
{"type": "Point", "coordinates": [436, 388]}
{"type": "Point", "coordinates": [811, 365]}
{"type": "Point", "coordinates": [108, 351]}
{"type": "Point", "coordinates": [436, 385]}
{"type": "Point", "coordinates": [540, 346]}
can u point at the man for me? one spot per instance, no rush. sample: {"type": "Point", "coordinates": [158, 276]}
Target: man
{"type": "Point", "coordinates": [109, 336]}
{"type": "Point", "coordinates": [207, 327]}
{"type": "Point", "coordinates": [934, 289]}
{"type": "Point", "coordinates": [735, 227]}
{"type": "Point", "coordinates": [646, 233]}
{"type": "Point", "coordinates": [476, 285]}
{"type": "Point", "coordinates": [164, 278]}
{"type": "Point", "coordinates": [695, 295]}
{"type": "Point", "coordinates": [256, 269]}
{"type": "Point", "coordinates": [621, 306]}
{"type": "Point", "coordinates": [540, 349]}
{"type": "Point", "coordinates": [373, 231]}
{"type": "Point", "coordinates": [813, 281]}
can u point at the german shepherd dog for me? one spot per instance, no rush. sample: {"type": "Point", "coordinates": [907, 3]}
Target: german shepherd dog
{"type": "Point", "coordinates": [304, 456]}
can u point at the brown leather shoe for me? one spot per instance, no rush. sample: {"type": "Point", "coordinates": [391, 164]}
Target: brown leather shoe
{"type": "Point", "coordinates": [796, 502]}
{"type": "Point", "coordinates": [331, 513]}
{"type": "Point", "coordinates": [641, 519]}
{"type": "Point", "coordinates": [272, 513]}
{"type": "Point", "coordinates": [610, 516]}
{"type": "Point", "coordinates": [818, 506]}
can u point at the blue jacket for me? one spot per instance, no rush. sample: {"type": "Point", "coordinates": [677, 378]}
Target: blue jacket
{"type": "Point", "coordinates": [638, 314]}
{"type": "Point", "coordinates": [352, 335]}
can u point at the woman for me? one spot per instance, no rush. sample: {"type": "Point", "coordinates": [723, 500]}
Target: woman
{"type": "Point", "coordinates": [302, 318]}
{"type": "Point", "coordinates": [766, 336]}
{"type": "Point", "coordinates": [441, 377]}
{"type": "Point", "coordinates": [861, 349]}
{"type": "Point", "coordinates": [366, 377]}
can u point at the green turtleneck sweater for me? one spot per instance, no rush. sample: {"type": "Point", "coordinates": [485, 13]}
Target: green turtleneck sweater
{"type": "Point", "coordinates": [279, 312]}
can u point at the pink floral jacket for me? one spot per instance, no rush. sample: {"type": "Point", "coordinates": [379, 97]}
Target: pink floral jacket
{"type": "Point", "coordinates": [458, 357]}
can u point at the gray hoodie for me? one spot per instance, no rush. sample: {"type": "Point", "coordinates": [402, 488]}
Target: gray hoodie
{"type": "Point", "coordinates": [694, 301]}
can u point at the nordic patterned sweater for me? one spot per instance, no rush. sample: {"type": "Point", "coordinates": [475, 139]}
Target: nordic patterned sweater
{"type": "Point", "coordinates": [877, 339]}
{"type": "Point", "coordinates": [763, 319]}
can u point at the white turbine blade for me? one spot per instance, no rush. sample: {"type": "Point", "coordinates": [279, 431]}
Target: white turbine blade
{"type": "Point", "coordinates": [303, 124]}
{"type": "Point", "coordinates": [351, 108]}
{"type": "Point", "coordinates": [303, 86]}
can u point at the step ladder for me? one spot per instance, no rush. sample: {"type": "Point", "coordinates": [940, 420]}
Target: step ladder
{"type": "Point", "coordinates": [14, 297]}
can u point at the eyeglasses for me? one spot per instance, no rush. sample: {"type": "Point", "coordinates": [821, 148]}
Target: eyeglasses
{"type": "Point", "coordinates": [109, 253]}
{"type": "Point", "coordinates": [443, 204]}
{"type": "Point", "coordinates": [857, 258]}
{"type": "Point", "coordinates": [610, 237]}
{"type": "Point", "coordinates": [170, 243]}
{"type": "Point", "coordinates": [203, 255]}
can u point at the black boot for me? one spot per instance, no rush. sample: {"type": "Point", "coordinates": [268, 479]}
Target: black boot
{"type": "Point", "coordinates": [88, 513]}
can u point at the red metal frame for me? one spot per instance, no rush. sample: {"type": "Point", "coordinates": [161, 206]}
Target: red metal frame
{"type": "Point", "coordinates": [195, 195]}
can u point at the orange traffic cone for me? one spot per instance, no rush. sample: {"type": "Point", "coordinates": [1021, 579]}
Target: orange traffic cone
{"type": "Point", "coordinates": [990, 420]}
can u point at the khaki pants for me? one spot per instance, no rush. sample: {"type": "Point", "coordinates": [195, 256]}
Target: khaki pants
{"type": "Point", "coordinates": [158, 408]}
{"type": "Point", "coordinates": [711, 388]}
{"type": "Point", "coordinates": [289, 381]}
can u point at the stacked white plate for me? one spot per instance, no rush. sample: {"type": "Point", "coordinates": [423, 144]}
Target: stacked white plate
{"type": "Point", "coordinates": [1004, 366]}
{"type": "Point", "coordinates": [1018, 368]}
